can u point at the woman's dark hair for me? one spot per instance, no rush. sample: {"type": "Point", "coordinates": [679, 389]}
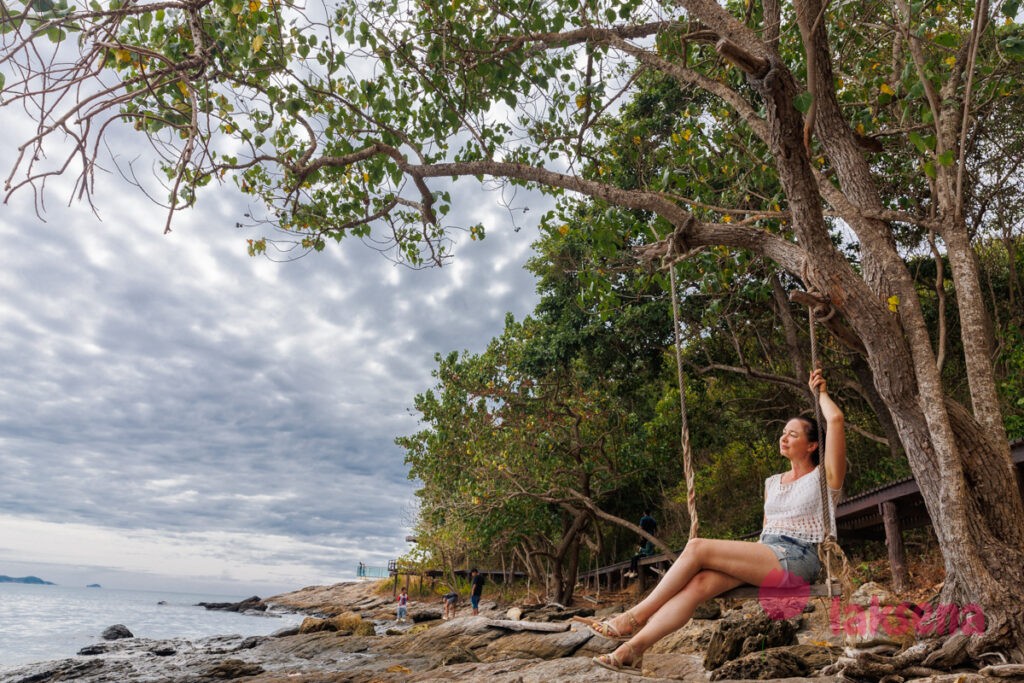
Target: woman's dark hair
{"type": "Point", "coordinates": [813, 434]}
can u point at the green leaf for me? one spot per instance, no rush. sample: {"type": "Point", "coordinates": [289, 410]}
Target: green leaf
{"type": "Point", "coordinates": [946, 158]}
{"type": "Point", "coordinates": [918, 141]}
{"type": "Point", "coordinates": [929, 170]}
{"type": "Point", "coordinates": [1013, 46]}
{"type": "Point", "coordinates": [802, 102]}
{"type": "Point", "coordinates": [950, 40]}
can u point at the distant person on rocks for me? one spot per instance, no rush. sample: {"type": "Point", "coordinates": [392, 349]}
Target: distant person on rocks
{"type": "Point", "coordinates": [476, 580]}
{"type": "Point", "coordinates": [449, 604]}
{"type": "Point", "coordinates": [403, 605]}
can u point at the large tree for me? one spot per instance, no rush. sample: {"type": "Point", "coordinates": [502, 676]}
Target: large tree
{"type": "Point", "coordinates": [806, 128]}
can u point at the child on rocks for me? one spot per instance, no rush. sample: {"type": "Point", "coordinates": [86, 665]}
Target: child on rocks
{"type": "Point", "coordinates": [403, 605]}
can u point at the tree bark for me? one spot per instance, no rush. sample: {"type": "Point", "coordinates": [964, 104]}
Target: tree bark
{"type": "Point", "coordinates": [961, 461]}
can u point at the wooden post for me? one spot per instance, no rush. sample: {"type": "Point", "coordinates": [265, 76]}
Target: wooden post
{"type": "Point", "coordinates": [894, 542]}
{"type": "Point", "coordinates": [1020, 480]}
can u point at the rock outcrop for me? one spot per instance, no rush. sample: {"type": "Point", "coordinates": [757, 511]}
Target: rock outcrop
{"type": "Point", "coordinates": [253, 604]}
{"type": "Point", "coordinates": [337, 644]}
{"type": "Point", "coordinates": [116, 632]}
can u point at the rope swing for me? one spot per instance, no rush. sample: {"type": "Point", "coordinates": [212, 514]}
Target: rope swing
{"type": "Point", "coordinates": [828, 549]}
{"type": "Point", "coordinates": [691, 493]}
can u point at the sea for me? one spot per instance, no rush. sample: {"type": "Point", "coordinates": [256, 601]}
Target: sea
{"type": "Point", "coordinates": [41, 623]}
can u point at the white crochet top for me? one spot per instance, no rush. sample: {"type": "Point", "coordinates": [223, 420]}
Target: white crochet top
{"type": "Point", "coordinates": [794, 509]}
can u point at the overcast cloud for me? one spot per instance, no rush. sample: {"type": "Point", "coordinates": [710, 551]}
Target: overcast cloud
{"type": "Point", "coordinates": [176, 414]}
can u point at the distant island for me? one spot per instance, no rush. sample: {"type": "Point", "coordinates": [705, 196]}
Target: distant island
{"type": "Point", "coordinates": [26, 579]}
{"type": "Point", "coordinates": [94, 585]}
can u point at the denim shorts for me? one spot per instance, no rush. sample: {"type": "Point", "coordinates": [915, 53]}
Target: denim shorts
{"type": "Point", "coordinates": [799, 558]}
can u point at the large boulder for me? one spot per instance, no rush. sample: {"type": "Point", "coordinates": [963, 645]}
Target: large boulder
{"type": "Point", "coordinates": [116, 632]}
{"type": "Point", "coordinates": [345, 623]}
{"type": "Point", "coordinates": [744, 631]}
{"type": "Point", "coordinates": [874, 617]}
{"type": "Point", "coordinates": [762, 666]}
{"type": "Point", "coordinates": [797, 661]}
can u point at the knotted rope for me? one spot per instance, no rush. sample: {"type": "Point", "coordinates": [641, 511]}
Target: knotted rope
{"type": "Point", "coordinates": [691, 493]}
{"type": "Point", "coordinates": [828, 548]}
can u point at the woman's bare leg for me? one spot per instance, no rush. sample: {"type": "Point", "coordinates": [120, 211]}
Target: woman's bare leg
{"type": "Point", "coordinates": [675, 612]}
{"type": "Point", "coordinates": [743, 561]}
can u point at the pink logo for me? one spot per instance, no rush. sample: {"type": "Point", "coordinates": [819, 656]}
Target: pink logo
{"type": "Point", "coordinates": [783, 595]}
{"type": "Point", "coordinates": [906, 618]}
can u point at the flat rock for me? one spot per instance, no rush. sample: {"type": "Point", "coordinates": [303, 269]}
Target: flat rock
{"type": "Point", "coordinates": [535, 645]}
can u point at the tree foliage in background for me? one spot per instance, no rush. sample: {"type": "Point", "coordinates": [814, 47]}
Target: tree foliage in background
{"type": "Point", "coordinates": [840, 143]}
{"type": "Point", "coordinates": [522, 460]}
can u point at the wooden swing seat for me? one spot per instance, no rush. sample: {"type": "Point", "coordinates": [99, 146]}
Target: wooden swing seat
{"type": "Point", "coordinates": [747, 592]}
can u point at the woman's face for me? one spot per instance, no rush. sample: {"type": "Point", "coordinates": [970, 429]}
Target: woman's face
{"type": "Point", "coordinates": [794, 444]}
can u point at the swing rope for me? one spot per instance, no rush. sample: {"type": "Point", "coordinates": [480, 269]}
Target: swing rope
{"type": "Point", "coordinates": [691, 489]}
{"type": "Point", "coordinates": [829, 547]}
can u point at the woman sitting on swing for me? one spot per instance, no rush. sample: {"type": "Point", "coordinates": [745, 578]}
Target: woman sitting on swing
{"type": "Point", "coordinates": [793, 527]}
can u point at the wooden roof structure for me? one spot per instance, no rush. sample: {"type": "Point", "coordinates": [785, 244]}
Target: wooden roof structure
{"type": "Point", "coordinates": [860, 516]}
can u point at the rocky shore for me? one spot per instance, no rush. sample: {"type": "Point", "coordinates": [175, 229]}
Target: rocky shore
{"type": "Point", "coordinates": [351, 635]}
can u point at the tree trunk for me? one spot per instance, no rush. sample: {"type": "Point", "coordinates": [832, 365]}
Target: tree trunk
{"type": "Point", "coordinates": [565, 561]}
{"type": "Point", "coordinates": [962, 468]}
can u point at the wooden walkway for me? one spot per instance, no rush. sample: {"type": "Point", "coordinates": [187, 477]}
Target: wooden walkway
{"type": "Point", "coordinates": [880, 513]}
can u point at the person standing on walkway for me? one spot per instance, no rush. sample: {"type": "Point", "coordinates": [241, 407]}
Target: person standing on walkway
{"type": "Point", "coordinates": [476, 580]}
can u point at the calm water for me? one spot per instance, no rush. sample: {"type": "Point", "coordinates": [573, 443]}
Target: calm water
{"type": "Point", "coordinates": [41, 623]}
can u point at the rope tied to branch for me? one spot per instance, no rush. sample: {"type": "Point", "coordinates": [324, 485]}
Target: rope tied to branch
{"type": "Point", "coordinates": [684, 428]}
{"type": "Point", "coordinates": [829, 547]}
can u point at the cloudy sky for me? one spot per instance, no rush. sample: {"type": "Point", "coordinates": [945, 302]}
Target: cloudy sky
{"type": "Point", "coordinates": [177, 415]}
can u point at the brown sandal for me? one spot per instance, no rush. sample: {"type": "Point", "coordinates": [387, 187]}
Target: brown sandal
{"type": "Point", "coordinates": [613, 662]}
{"type": "Point", "coordinates": [606, 630]}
